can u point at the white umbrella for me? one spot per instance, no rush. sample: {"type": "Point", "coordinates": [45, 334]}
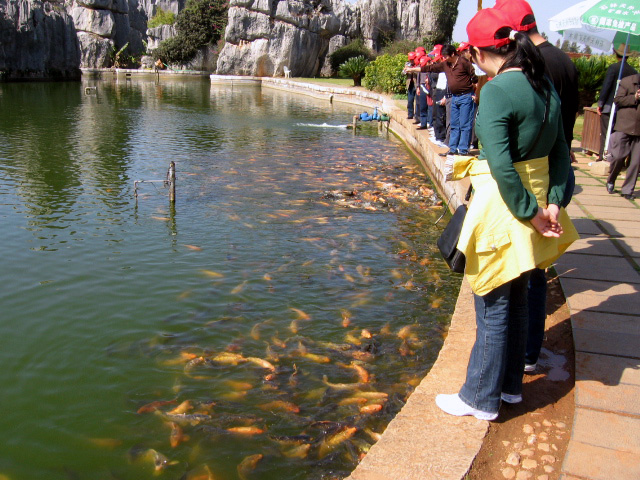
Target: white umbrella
{"type": "Point", "coordinates": [590, 19]}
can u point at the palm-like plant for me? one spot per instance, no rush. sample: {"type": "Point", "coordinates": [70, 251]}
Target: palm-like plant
{"type": "Point", "coordinates": [592, 71]}
{"type": "Point", "coordinates": [354, 68]}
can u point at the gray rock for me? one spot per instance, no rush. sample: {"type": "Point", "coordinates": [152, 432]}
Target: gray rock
{"type": "Point", "coordinates": [158, 34]}
{"type": "Point", "coordinates": [96, 4]}
{"type": "Point", "coordinates": [99, 22]}
{"type": "Point", "coordinates": [96, 50]}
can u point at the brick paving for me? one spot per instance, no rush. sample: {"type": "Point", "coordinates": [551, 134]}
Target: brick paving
{"type": "Point", "coordinates": [600, 276]}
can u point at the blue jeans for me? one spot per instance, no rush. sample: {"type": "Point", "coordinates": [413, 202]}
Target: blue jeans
{"type": "Point", "coordinates": [497, 359]}
{"type": "Point", "coordinates": [462, 107]}
{"type": "Point", "coordinates": [411, 95]}
{"type": "Point", "coordinates": [424, 107]}
{"type": "Point", "coordinates": [537, 314]}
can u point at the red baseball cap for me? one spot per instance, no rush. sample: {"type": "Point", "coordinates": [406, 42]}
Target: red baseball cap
{"type": "Point", "coordinates": [411, 55]}
{"type": "Point", "coordinates": [436, 50]}
{"type": "Point", "coordinates": [463, 46]}
{"type": "Point", "coordinates": [482, 28]}
{"type": "Point", "coordinates": [516, 10]}
{"type": "Point", "coordinates": [424, 60]}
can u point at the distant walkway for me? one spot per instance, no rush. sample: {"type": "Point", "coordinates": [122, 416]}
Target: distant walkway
{"type": "Point", "coordinates": [600, 276]}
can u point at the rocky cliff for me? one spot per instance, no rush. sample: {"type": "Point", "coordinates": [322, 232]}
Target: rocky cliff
{"type": "Point", "coordinates": [37, 40]}
{"type": "Point", "coordinates": [264, 36]}
{"type": "Point", "coordinates": [54, 39]}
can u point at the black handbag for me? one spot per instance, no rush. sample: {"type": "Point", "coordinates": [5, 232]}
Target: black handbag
{"type": "Point", "coordinates": [448, 241]}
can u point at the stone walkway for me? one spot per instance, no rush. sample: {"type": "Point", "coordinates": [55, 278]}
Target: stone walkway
{"type": "Point", "coordinates": [600, 276]}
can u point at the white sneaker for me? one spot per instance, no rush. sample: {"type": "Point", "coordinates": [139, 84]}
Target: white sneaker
{"type": "Point", "coordinates": [453, 405]}
{"type": "Point", "coordinates": [530, 367]}
{"type": "Point", "coordinates": [510, 398]}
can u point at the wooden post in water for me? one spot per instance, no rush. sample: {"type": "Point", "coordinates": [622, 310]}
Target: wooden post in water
{"type": "Point", "coordinates": [355, 123]}
{"type": "Point", "coordinates": [172, 182]}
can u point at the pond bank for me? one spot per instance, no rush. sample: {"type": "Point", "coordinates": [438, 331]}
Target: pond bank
{"type": "Point", "coordinates": [420, 442]}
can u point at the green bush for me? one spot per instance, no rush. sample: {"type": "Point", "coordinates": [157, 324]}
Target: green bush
{"type": "Point", "coordinates": [354, 68]}
{"type": "Point", "coordinates": [385, 75]}
{"type": "Point", "coordinates": [162, 17]}
{"type": "Point", "coordinates": [201, 23]}
{"type": "Point", "coordinates": [591, 72]}
{"type": "Point", "coordinates": [401, 46]}
{"type": "Point", "coordinates": [342, 54]}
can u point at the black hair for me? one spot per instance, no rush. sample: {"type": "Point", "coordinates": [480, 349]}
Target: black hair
{"type": "Point", "coordinates": [448, 50]}
{"type": "Point", "coordinates": [521, 53]}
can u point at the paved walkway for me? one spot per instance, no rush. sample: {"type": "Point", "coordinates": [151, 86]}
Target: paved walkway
{"type": "Point", "coordinates": [600, 276]}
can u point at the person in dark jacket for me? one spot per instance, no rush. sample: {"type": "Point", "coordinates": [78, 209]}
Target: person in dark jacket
{"type": "Point", "coordinates": [625, 140]}
{"type": "Point", "coordinates": [605, 101]}
{"type": "Point", "coordinates": [411, 86]}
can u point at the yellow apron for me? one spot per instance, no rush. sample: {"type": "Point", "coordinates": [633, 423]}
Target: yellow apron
{"type": "Point", "coordinates": [499, 247]}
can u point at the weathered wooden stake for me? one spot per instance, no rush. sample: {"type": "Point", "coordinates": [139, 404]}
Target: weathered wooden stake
{"type": "Point", "coordinates": [355, 123]}
{"type": "Point", "coordinates": [172, 182]}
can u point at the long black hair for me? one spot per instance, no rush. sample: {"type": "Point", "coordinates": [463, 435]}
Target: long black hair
{"type": "Point", "coordinates": [521, 53]}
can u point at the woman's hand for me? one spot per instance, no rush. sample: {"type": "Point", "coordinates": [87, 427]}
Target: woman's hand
{"type": "Point", "coordinates": [546, 221]}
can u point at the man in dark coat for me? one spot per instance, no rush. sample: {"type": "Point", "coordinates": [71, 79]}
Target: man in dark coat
{"type": "Point", "coordinates": [608, 90]}
{"type": "Point", "coordinates": [625, 140]}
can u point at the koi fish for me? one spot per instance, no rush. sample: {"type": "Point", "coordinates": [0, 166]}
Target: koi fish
{"type": "Point", "coordinates": [301, 315]}
{"type": "Point", "coordinates": [280, 405]}
{"type": "Point", "coordinates": [369, 409]}
{"type": "Point", "coordinates": [299, 451]}
{"type": "Point", "coordinates": [153, 406]}
{"type": "Point", "coordinates": [212, 274]}
{"type": "Point", "coordinates": [192, 419]}
{"type": "Point", "coordinates": [253, 430]}
{"type": "Point", "coordinates": [177, 436]}
{"type": "Point", "coordinates": [346, 318]}
{"type": "Point", "coordinates": [194, 248]}
{"type": "Point", "coordinates": [228, 358]}
{"type": "Point", "coordinates": [352, 401]}
{"type": "Point", "coordinates": [104, 443]}
{"type": "Point", "coordinates": [184, 407]}
{"type": "Point", "coordinates": [316, 358]}
{"type": "Point", "coordinates": [248, 464]}
{"type": "Point", "coordinates": [237, 386]}
{"type": "Point", "coordinates": [261, 363]}
{"type": "Point", "coordinates": [332, 441]}
{"type": "Point", "coordinates": [341, 386]}
{"type": "Point", "coordinates": [160, 462]}
{"type": "Point", "coordinates": [201, 473]}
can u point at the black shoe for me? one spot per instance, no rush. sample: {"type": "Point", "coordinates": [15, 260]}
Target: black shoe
{"type": "Point", "coordinates": [444, 154]}
{"type": "Point", "coordinates": [409, 118]}
{"type": "Point", "coordinates": [416, 122]}
{"type": "Point", "coordinates": [609, 187]}
{"type": "Point", "coordinates": [628, 196]}
{"type": "Point", "coordinates": [462, 153]}
{"type": "Point", "coordinates": [421, 128]}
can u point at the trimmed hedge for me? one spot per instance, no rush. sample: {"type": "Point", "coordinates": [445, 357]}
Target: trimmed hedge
{"type": "Point", "coordinates": [385, 75]}
{"type": "Point", "coordinates": [342, 54]}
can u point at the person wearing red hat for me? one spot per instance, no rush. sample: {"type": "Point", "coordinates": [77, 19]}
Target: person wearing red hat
{"type": "Point", "coordinates": [411, 85]}
{"type": "Point", "coordinates": [424, 94]}
{"type": "Point", "coordinates": [564, 76]}
{"type": "Point", "coordinates": [462, 80]}
{"type": "Point", "coordinates": [514, 222]}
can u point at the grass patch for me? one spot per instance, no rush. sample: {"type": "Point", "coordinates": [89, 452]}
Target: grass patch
{"type": "Point", "coordinates": [577, 128]}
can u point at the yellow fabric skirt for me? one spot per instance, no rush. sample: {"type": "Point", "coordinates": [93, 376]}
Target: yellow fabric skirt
{"type": "Point", "coordinates": [498, 247]}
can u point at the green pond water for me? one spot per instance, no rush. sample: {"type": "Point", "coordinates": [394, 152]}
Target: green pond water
{"type": "Point", "coordinates": [280, 313]}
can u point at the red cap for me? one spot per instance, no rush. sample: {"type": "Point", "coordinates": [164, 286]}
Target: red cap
{"type": "Point", "coordinates": [464, 46]}
{"type": "Point", "coordinates": [482, 28]}
{"type": "Point", "coordinates": [418, 56]}
{"type": "Point", "coordinates": [436, 50]}
{"type": "Point", "coordinates": [424, 60]}
{"type": "Point", "coordinates": [516, 10]}
{"type": "Point", "coordinates": [411, 55]}
{"type": "Point", "coordinates": [420, 49]}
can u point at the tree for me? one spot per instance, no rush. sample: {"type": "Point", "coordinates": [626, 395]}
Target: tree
{"type": "Point", "coordinates": [573, 48]}
{"type": "Point", "coordinates": [354, 68]}
{"type": "Point", "coordinates": [558, 43]}
{"type": "Point", "coordinates": [565, 46]}
{"type": "Point", "coordinates": [587, 50]}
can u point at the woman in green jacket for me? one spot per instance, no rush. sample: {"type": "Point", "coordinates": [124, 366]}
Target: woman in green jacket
{"type": "Point", "coordinates": [514, 222]}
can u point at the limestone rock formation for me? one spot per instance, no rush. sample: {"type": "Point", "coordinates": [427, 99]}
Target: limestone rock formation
{"type": "Point", "coordinates": [264, 36]}
{"type": "Point", "coordinates": [37, 40]}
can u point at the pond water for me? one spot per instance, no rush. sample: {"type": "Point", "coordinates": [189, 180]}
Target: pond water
{"type": "Point", "coordinates": [266, 326]}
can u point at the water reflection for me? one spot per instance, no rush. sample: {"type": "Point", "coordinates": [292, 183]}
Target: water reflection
{"type": "Point", "coordinates": [267, 325]}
